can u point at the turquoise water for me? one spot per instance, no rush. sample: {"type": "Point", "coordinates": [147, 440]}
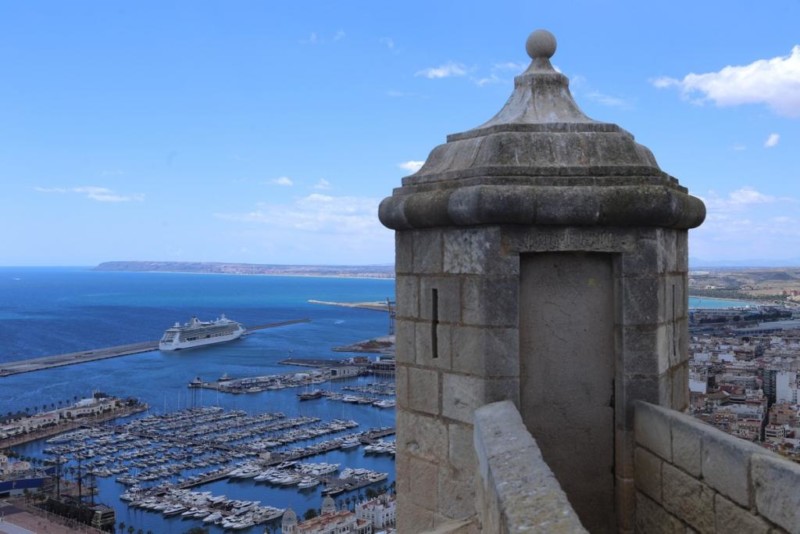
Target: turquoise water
{"type": "Point", "coordinates": [706, 303]}
{"type": "Point", "coordinates": [58, 310]}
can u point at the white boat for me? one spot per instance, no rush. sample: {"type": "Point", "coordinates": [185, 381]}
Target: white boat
{"type": "Point", "coordinates": [216, 516]}
{"type": "Point", "coordinates": [197, 333]}
{"type": "Point", "coordinates": [174, 509]}
{"type": "Point", "coordinates": [308, 482]}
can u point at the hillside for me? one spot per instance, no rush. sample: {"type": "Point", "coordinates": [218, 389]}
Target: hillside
{"type": "Point", "coordinates": [353, 271]}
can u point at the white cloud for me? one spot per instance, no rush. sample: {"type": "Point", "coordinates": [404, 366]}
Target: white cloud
{"type": "Point", "coordinates": [314, 229]}
{"type": "Point", "coordinates": [99, 194]}
{"type": "Point", "coordinates": [411, 166]}
{"type": "Point", "coordinates": [607, 100]}
{"type": "Point", "coordinates": [664, 82]}
{"type": "Point", "coordinates": [315, 213]}
{"type": "Point", "coordinates": [736, 200]}
{"type": "Point", "coordinates": [747, 224]}
{"type": "Point", "coordinates": [387, 41]}
{"type": "Point", "coordinates": [312, 39]}
{"type": "Point", "coordinates": [447, 70]}
{"type": "Point", "coordinates": [774, 82]}
{"type": "Point", "coordinates": [739, 147]}
{"type": "Point", "coordinates": [488, 80]}
{"type": "Point", "coordinates": [510, 66]}
{"type": "Point", "coordinates": [315, 38]}
{"type": "Point", "coordinates": [772, 140]}
{"type": "Point", "coordinates": [499, 73]}
{"type": "Point", "coordinates": [581, 88]}
{"type": "Point", "coordinates": [322, 184]}
{"type": "Point", "coordinates": [283, 181]}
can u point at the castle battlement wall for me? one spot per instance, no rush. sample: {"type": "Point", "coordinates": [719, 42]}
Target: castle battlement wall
{"type": "Point", "coordinates": [688, 473]}
{"type": "Point", "coordinates": [515, 486]}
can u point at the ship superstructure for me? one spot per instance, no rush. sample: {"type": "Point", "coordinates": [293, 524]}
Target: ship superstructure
{"type": "Point", "coordinates": [197, 333]}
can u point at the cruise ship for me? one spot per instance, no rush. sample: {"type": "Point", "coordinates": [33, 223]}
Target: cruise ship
{"type": "Point", "coordinates": [197, 333]}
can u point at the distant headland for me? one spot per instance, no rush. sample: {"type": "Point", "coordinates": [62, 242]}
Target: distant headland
{"type": "Point", "coordinates": [339, 271]}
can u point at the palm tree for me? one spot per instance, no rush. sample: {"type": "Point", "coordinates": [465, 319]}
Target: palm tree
{"type": "Point", "coordinates": [122, 526]}
{"type": "Point", "coordinates": [131, 529]}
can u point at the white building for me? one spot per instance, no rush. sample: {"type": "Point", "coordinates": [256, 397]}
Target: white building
{"type": "Point", "coordinates": [786, 387]}
{"type": "Point", "coordinates": [380, 512]}
{"type": "Point", "coordinates": [330, 521]}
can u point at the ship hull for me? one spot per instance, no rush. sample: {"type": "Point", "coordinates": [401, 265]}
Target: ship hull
{"type": "Point", "coordinates": [180, 345]}
{"type": "Point", "coordinates": [199, 334]}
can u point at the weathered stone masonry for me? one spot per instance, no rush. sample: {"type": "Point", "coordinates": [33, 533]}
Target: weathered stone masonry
{"type": "Point", "coordinates": [540, 258]}
{"type": "Point", "coordinates": [689, 474]}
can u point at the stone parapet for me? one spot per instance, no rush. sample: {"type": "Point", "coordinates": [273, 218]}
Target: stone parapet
{"type": "Point", "coordinates": [517, 491]}
{"type": "Point", "coordinates": [690, 475]}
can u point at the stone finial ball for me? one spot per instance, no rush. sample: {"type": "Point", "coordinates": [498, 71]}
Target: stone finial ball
{"type": "Point", "coordinates": [541, 43]}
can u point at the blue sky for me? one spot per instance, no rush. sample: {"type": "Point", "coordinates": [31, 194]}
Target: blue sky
{"type": "Point", "coordinates": [268, 132]}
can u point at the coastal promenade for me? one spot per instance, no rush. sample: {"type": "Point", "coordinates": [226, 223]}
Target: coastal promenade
{"type": "Point", "coordinates": [69, 425]}
{"type": "Point", "coordinates": [72, 358]}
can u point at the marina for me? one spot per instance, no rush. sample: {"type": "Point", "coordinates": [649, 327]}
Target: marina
{"type": "Point", "coordinates": [162, 459]}
{"type": "Point", "coordinates": [160, 380]}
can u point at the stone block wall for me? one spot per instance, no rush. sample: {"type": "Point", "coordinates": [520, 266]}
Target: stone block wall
{"type": "Point", "coordinates": [516, 490]}
{"type": "Point", "coordinates": [456, 351]}
{"type": "Point", "coordinates": [691, 477]}
{"type": "Point", "coordinates": [458, 348]}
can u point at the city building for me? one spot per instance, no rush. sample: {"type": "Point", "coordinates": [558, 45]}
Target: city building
{"type": "Point", "coordinates": [329, 521]}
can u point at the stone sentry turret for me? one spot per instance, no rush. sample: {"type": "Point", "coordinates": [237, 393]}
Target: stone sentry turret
{"type": "Point", "coordinates": [541, 257]}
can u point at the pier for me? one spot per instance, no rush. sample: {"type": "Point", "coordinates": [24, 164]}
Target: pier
{"type": "Point", "coordinates": [73, 358]}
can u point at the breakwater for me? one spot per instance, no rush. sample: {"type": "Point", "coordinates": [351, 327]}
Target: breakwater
{"type": "Point", "coordinates": [60, 360]}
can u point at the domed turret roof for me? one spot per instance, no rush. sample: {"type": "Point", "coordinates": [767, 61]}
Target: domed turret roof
{"type": "Point", "coordinates": [541, 160]}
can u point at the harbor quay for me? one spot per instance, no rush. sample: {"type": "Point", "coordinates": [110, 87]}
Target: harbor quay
{"type": "Point", "coordinates": [46, 424]}
{"type": "Point", "coordinates": [257, 384]}
{"type": "Point", "coordinates": [73, 358]}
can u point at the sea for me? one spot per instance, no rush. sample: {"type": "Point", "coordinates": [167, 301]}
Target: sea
{"type": "Point", "coordinates": [47, 311]}
{"type": "Point", "coordinates": [715, 303]}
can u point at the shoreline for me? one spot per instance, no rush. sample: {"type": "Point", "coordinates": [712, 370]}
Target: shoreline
{"type": "Point", "coordinates": [70, 425]}
{"type": "Point", "coordinates": [377, 305]}
{"type": "Point", "coordinates": [749, 302]}
{"type": "Point", "coordinates": [374, 271]}
{"type": "Point", "coordinates": [287, 275]}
